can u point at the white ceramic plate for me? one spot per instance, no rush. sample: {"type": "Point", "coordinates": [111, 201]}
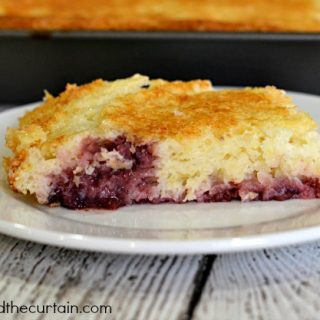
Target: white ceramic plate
{"type": "Point", "coordinates": [162, 229]}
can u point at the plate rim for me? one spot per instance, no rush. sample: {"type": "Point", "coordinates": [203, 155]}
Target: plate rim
{"type": "Point", "coordinates": [162, 247]}
{"type": "Point", "coordinates": [157, 246]}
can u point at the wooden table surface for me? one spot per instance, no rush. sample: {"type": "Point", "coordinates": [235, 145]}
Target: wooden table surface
{"type": "Point", "coordinates": [264, 285]}
{"type": "Point", "coordinates": [269, 284]}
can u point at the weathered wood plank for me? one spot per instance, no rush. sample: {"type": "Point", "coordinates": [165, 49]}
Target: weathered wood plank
{"type": "Point", "coordinates": [136, 287]}
{"type": "Point", "coordinates": [266, 285]}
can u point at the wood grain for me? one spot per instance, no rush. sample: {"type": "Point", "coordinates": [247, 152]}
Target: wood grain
{"type": "Point", "coordinates": [266, 285]}
{"type": "Point", "coordinates": [136, 287]}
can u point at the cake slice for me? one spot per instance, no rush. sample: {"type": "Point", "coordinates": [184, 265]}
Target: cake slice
{"type": "Point", "coordinates": [109, 144]}
{"type": "Point", "coordinates": [151, 15]}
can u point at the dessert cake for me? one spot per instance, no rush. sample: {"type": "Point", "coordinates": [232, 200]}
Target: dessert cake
{"type": "Point", "coordinates": [205, 15]}
{"type": "Point", "coordinates": [136, 140]}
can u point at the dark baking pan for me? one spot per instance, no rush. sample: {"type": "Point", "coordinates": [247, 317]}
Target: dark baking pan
{"type": "Point", "coordinates": [31, 62]}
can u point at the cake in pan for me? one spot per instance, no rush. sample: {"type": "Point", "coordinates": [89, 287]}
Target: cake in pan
{"type": "Point", "coordinates": [136, 140]}
{"type": "Point", "coordinates": [205, 15]}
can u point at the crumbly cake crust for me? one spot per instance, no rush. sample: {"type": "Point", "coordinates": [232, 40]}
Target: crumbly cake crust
{"type": "Point", "coordinates": [139, 140]}
{"type": "Point", "coordinates": [207, 15]}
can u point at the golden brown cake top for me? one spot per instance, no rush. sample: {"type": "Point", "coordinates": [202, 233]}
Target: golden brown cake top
{"type": "Point", "coordinates": [228, 15]}
{"type": "Point", "coordinates": [156, 113]}
{"type": "Point", "coordinates": [155, 110]}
